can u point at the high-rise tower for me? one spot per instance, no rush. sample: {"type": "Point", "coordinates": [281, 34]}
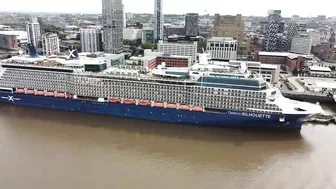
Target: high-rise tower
{"type": "Point", "coordinates": [191, 24]}
{"type": "Point", "coordinates": [33, 32]}
{"type": "Point", "coordinates": [113, 26]}
{"type": "Point", "coordinates": [274, 40]}
{"type": "Point", "coordinates": [158, 21]}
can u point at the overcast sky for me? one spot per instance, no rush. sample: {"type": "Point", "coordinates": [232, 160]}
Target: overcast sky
{"type": "Point", "coordinates": [245, 7]}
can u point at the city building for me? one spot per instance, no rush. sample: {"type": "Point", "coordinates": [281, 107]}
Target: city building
{"type": "Point", "coordinates": [319, 71]}
{"type": "Point", "coordinates": [158, 21]}
{"type": "Point", "coordinates": [50, 44]}
{"type": "Point", "coordinates": [295, 28]}
{"type": "Point", "coordinates": [147, 36]}
{"type": "Point", "coordinates": [191, 24]}
{"type": "Point", "coordinates": [179, 49]}
{"type": "Point", "coordinates": [39, 20]}
{"type": "Point", "coordinates": [326, 50]}
{"type": "Point", "coordinates": [301, 44]}
{"type": "Point", "coordinates": [222, 48]}
{"type": "Point", "coordinates": [174, 30]}
{"type": "Point", "coordinates": [274, 40]}
{"type": "Point", "coordinates": [22, 36]}
{"type": "Point", "coordinates": [290, 60]}
{"type": "Point", "coordinates": [91, 40]}
{"type": "Point", "coordinates": [301, 27]}
{"type": "Point", "coordinates": [8, 42]}
{"type": "Point", "coordinates": [124, 17]}
{"type": "Point", "coordinates": [113, 23]}
{"type": "Point", "coordinates": [263, 27]}
{"type": "Point", "coordinates": [33, 33]}
{"type": "Point", "coordinates": [151, 60]}
{"type": "Point", "coordinates": [132, 34]}
{"type": "Point", "coordinates": [232, 26]}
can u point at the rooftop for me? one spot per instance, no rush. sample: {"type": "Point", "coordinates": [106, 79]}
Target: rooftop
{"type": "Point", "coordinates": [319, 68]}
{"type": "Point", "coordinates": [282, 54]}
{"type": "Point", "coordinates": [222, 39]}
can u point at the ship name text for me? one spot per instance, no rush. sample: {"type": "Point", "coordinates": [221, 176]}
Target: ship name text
{"type": "Point", "coordinates": [245, 114]}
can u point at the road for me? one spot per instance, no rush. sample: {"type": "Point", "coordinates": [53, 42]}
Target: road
{"type": "Point", "coordinates": [293, 81]}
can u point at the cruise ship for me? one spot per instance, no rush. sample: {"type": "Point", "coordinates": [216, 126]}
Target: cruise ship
{"type": "Point", "coordinates": [204, 94]}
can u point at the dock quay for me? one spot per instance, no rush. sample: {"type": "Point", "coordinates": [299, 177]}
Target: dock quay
{"type": "Point", "coordinates": [309, 96]}
{"type": "Point", "coordinates": [324, 119]}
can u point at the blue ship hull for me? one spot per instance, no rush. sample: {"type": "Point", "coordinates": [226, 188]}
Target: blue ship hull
{"type": "Point", "coordinates": [226, 118]}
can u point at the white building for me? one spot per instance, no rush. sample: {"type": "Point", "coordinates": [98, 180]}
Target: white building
{"type": "Point", "coordinates": [50, 44]}
{"type": "Point", "coordinates": [222, 48]}
{"type": "Point", "coordinates": [180, 49]}
{"type": "Point", "coordinates": [33, 33]}
{"type": "Point", "coordinates": [132, 34]}
{"type": "Point", "coordinates": [301, 44]}
{"type": "Point", "coordinates": [319, 71]}
{"type": "Point", "coordinates": [91, 40]}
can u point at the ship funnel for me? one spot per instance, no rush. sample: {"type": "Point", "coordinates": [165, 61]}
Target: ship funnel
{"type": "Point", "coordinates": [203, 58]}
{"type": "Point", "coordinates": [243, 67]}
{"type": "Point", "coordinates": [32, 51]}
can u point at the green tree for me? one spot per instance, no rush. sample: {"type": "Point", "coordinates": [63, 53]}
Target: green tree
{"type": "Point", "coordinates": [141, 52]}
{"type": "Point", "coordinates": [78, 47]}
{"type": "Point", "coordinates": [147, 45]}
{"type": "Point", "coordinates": [295, 71]}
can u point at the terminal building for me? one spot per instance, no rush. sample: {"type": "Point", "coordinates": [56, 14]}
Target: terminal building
{"type": "Point", "coordinates": [319, 71]}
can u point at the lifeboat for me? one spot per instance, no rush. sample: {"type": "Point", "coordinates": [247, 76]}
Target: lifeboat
{"type": "Point", "coordinates": [40, 93]}
{"type": "Point", "coordinates": [114, 100]}
{"type": "Point", "coordinates": [60, 95]}
{"type": "Point", "coordinates": [69, 96]}
{"type": "Point", "coordinates": [30, 92]}
{"type": "Point", "coordinates": [197, 109]}
{"type": "Point", "coordinates": [129, 101]}
{"type": "Point", "coordinates": [144, 103]}
{"type": "Point", "coordinates": [158, 105]}
{"type": "Point", "coordinates": [184, 107]}
{"type": "Point", "coordinates": [20, 91]}
{"type": "Point", "coordinates": [50, 94]}
{"type": "Point", "coordinates": [171, 106]}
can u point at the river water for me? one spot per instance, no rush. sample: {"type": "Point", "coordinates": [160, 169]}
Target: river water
{"type": "Point", "coordinates": [48, 149]}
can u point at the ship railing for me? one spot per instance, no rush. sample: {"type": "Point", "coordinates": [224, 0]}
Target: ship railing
{"type": "Point", "coordinates": [137, 77]}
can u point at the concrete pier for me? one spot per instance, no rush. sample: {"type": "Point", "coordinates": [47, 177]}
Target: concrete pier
{"type": "Point", "coordinates": [324, 119]}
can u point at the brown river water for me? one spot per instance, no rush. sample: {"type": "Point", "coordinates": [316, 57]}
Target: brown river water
{"type": "Point", "coordinates": [49, 149]}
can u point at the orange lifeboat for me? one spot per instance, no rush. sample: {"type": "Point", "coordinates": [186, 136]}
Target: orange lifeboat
{"type": "Point", "coordinates": [158, 105]}
{"type": "Point", "coordinates": [20, 91]}
{"type": "Point", "coordinates": [114, 100]}
{"type": "Point", "coordinates": [31, 92]}
{"type": "Point", "coordinates": [184, 107]}
{"type": "Point", "coordinates": [60, 95]}
{"type": "Point", "coordinates": [197, 109]}
{"type": "Point", "coordinates": [50, 94]}
{"type": "Point", "coordinates": [144, 103]}
{"type": "Point", "coordinates": [171, 106]}
{"type": "Point", "coordinates": [40, 93]}
{"type": "Point", "coordinates": [129, 101]}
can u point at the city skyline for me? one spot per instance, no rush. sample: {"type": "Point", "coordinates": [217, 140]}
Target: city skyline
{"type": "Point", "coordinates": [202, 7]}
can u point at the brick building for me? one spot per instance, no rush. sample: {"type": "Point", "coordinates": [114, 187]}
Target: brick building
{"type": "Point", "coordinates": [291, 60]}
